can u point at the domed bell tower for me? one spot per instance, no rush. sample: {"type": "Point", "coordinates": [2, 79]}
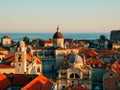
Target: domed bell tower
{"type": "Point", "coordinates": [20, 59]}
{"type": "Point", "coordinates": [58, 40]}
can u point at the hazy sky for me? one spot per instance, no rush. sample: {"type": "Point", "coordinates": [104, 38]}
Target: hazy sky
{"type": "Point", "coordinates": [70, 15]}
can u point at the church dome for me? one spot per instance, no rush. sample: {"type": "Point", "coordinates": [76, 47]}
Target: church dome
{"type": "Point", "coordinates": [58, 34]}
{"type": "Point", "coordinates": [76, 59]}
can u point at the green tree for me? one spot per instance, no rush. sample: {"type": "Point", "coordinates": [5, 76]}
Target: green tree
{"type": "Point", "coordinates": [102, 37]}
{"type": "Point", "coordinates": [26, 40]}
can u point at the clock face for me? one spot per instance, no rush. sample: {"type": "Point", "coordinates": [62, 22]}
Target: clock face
{"type": "Point", "coordinates": [19, 58]}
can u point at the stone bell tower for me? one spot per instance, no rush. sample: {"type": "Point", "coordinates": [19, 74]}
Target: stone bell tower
{"type": "Point", "coordinates": [20, 59]}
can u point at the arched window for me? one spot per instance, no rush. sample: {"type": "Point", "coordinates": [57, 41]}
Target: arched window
{"type": "Point", "coordinates": [72, 75]}
{"type": "Point", "coordinates": [38, 69]}
{"type": "Point", "coordinates": [19, 58]}
{"type": "Point", "coordinates": [76, 75]}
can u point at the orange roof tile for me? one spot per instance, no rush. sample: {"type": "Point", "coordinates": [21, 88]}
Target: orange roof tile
{"type": "Point", "coordinates": [1, 53]}
{"type": "Point", "coordinates": [4, 82]}
{"type": "Point", "coordinates": [89, 52]}
{"type": "Point", "coordinates": [6, 66]}
{"type": "Point", "coordinates": [2, 49]}
{"type": "Point", "coordinates": [116, 66]}
{"type": "Point", "coordinates": [31, 57]}
{"type": "Point", "coordinates": [114, 52]}
{"type": "Point", "coordinates": [95, 62]}
{"type": "Point", "coordinates": [112, 80]}
{"type": "Point", "coordinates": [48, 41]}
{"type": "Point", "coordinates": [20, 79]}
{"type": "Point", "coordinates": [115, 70]}
{"type": "Point", "coordinates": [39, 83]}
{"type": "Point", "coordinates": [9, 61]}
{"type": "Point", "coordinates": [9, 55]}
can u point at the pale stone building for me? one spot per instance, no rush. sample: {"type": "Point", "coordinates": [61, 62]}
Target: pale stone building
{"type": "Point", "coordinates": [6, 41]}
{"type": "Point", "coordinates": [52, 56]}
{"type": "Point", "coordinates": [74, 72]}
{"type": "Point", "coordinates": [21, 63]}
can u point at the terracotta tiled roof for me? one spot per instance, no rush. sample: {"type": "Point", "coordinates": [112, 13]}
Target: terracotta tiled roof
{"type": "Point", "coordinates": [11, 60]}
{"type": "Point", "coordinates": [104, 50]}
{"type": "Point", "coordinates": [1, 53]}
{"type": "Point", "coordinates": [112, 80]}
{"type": "Point", "coordinates": [37, 60]}
{"type": "Point", "coordinates": [6, 66]}
{"type": "Point", "coordinates": [19, 79]}
{"type": "Point", "coordinates": [4, 82]}
{"type": "Point", "coordinates": [114, 52]}
{"type": "Point", "coordinates": [39, 83]}
{"type": "Point", "coordinates": [9, 55]}
{"type": "Point", "coordinates": [115, 70]}
{"type": "Point", "coordinates": [48, 41]}
{"type": "Point", "coordinates": [31, 57]}
{"type": "Point", "coordinates": [95, 62]}
{"type": "Point", "coordinates": [89, 52]}
{"type": "Point", "coordinates": [107, 51]}
{"type": "Point", "coordinates": [2, 49]}
{"type": "Point", "coordinates": [113, 88]}
{"type": "Point", "coordinates": [116, 66]}
{"type": "Point", "coordinates": [105, 55]}
{"type": "Point", "coordinates": [76, 87]}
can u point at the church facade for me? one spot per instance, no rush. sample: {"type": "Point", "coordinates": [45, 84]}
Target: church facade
{"type": "Point", "coordinates": [74, 72]}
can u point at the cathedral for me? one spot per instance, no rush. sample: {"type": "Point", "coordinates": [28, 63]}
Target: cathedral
{"type": "Point", "coordinates": [52, 56]}
{"type": "Point", "coordinates": [75, 72]}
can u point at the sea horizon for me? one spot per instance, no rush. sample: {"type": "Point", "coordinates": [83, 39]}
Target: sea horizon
{"type": "Point", "coordinates": [46, 36]}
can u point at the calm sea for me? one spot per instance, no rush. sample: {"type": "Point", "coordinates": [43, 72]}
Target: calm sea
{"type": "Point", "coordinates": [46, 36]}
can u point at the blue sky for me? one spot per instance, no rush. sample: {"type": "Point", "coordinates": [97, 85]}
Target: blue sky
{"type": "Point", "coordinates": [70, 15]}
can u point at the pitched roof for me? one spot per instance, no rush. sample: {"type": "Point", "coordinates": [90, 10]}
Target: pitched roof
{"type": "Point", "coordinates": [113, 88]}
{"type": "Point", "coordinates": [48, 41]}
{"type": "Point", "coordinates": [2, 49]}
{"type": "Point", "coordinates": [9, 55]}
{"type": "Point", "coordinates": [107, 51]}
{"type": "Point", "coordinates": [1, 53]}
{"type": "Point", "coordinates": [4, 82]}
{"type": "Point", "coordinates": [6, 66]}
{"type": "Point", "coordinates": [39, 83]}
{"type": "Point", "coordinates": [9, 61]}
{"type": "Point", "coordinates": [31, 57]}
{"type": "Point", "coordinates": [112, 80]}
{"type": "Point", "coordinates": [116, 66]}
{"type": "Point", "coordinates": [89, 52]}
{"type": "Point", "coordinates": [95, 61]}
{"type": "Point", "coordinates": [20, 79]}
{"type": "Point", "coordinates": [116, 70]}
